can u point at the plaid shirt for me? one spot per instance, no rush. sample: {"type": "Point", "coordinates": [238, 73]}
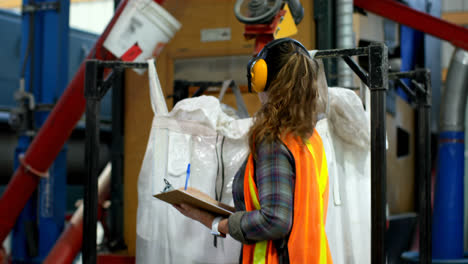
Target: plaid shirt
{"type": "Point", "coordinates": [274, 177]}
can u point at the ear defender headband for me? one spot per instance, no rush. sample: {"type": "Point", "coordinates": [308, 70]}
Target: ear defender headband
{"type": "Point", "coordinates": [257, 68]}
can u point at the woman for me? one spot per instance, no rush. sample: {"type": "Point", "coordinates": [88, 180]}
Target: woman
{"type": "Point", "coordinates": [281, 191]}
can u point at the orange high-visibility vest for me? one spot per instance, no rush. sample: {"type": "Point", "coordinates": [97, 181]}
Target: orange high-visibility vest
{"type": "Point", "coordinates": [307, 241]}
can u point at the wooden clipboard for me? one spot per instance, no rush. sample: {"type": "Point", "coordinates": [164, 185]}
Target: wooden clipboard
{"type": "Point", "coordinates": [197, 199]}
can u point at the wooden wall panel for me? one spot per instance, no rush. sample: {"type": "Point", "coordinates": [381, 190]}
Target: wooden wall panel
{"type": "Point", "coordinates": [251, 101]}
{"type": "Point", "coordinates": [400, 170]}
{"type": "Point", "coordinates": [194, 16]}
{"type": "Point", "coordinates": [138, 117]}
{"type": "Point", "coordinates": [459, 18]}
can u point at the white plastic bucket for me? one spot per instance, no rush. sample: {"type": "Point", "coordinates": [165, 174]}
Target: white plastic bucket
{"type": "Point", "coordinates": [162, 18]}
{"type": "Point", "coordinates": [141, 31]}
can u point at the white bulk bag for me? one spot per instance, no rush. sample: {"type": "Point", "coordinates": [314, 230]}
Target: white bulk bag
{"type": "Point", "coordinates": [346, 139]}
{"type": "Point", "coordinates": [196, 131]}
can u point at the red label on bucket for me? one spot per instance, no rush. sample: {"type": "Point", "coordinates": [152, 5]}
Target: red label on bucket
{"type": "Point", "coordinates": [132, 53]}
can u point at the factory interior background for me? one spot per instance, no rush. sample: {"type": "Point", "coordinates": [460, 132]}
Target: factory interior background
{"type": "Point", "coordinates": [400, 176]}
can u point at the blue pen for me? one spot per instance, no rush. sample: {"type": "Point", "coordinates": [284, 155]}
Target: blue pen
{"type": "Point", "coordinates": [188, 176]}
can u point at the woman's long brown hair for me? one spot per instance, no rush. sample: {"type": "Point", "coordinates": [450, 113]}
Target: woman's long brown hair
{"type": "Point", "coordinates": [292, 97]}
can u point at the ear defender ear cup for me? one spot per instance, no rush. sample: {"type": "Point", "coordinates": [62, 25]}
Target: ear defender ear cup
{"type": "Point", "coordinates": [257, 68]}
{"type": "Point", "coordinates": [259, 75]}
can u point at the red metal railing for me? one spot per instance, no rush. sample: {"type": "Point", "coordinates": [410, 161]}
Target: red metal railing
{"type": "Point", "coordinates": [405, 15]}
{"type": "Point", "coordinates": [51, 137]}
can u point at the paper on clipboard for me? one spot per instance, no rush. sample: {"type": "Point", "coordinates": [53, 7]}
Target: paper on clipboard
{"type": "Point", "coordinates": [197, 199]}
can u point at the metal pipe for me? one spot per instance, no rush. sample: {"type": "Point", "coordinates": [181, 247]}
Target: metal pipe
{"type": "Point", "coordinates": [324, 31]}
{"type": "Point", "coordinates": [360, 72]}
{"type": "Point", "coordinates": [344, 39]}
{"type": "Point", "coordinates": [423, 164]}
{"type": "Point", "coordinates": [402, 14]}
{"type": "Point", "coordinates": [448, 200]}
{"type": "Point", "coordinates": [405, 75]}
{"type": "Point", "coordinates": [452, 116]}
{"type": "Point", "coordinates": [93, 75]}
{"type": "Point", "coordinates": [406, 88]}
{"type": "Point", "coordinates": [116, 209]}
{"type": "Point", "coordinates": [422, 96]}
{"type": "Point", "coordinates": [68, 245]}
{"type": "Point", "coordinates": [378, 180]}
{"type": "Point", "coordinates": [333, 53]}
{"type": "Point", "coordinates": [95, 89]}
{"type": "Point", "coordinates": [378, 83]}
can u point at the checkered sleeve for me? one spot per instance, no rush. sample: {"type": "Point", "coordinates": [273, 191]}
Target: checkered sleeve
{"type": "Point", "coordinates": [275, 177]}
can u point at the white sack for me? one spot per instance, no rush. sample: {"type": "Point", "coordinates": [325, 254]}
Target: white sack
{"type": "Point", "coordinates": [190, 133]}
{"type": "Point", "coordinates": [346, 139]}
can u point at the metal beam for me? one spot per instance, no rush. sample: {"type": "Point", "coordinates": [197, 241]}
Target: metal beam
{"type": "Point", "coordinates": [378, 84]}
{"type": "Point", "coordinates": [405, 15]}
{"type": "Point", "coordinates": [424, 168]}
{"type": "Point", "coordinates": [116, 210]}
{"type": "Point", "coordinates": [334, 53]}
{"type": "Point", "coordinates": [94, 92]}
{"type": "Point", "coordinates": [360, 72]}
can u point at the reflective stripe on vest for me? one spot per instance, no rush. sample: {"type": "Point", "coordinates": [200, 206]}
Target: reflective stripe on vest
{"type": "Point", "coordinates": [322, 179]}
{"type": "Point", "coordinates": [307, 241]}
{"type": "Point", "coordinates": [260, 247]}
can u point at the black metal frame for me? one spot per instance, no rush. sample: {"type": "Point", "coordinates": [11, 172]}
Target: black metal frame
{"type": "Point", "coordinates": [325, 20]}
{"type": "Point", "coordinates": [181, 89]}
{"type": "Point", "coordinates": [376, 80]}
{"type": "Point", "coordinates": [115, 217]}
{"type": "Point", "coordinates": [421, 97]}
{"type": "Point", "coordinates": [95, 89]}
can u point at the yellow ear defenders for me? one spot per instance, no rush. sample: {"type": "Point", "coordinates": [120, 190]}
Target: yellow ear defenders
{"type": "Point", "coordinates": [257, 68]}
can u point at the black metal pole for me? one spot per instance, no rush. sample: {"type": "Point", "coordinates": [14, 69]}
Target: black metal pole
{"type": "Point", "coordinates": [378, 83]}
{"type": "Point", "coordinates": [333, 53]}
{"type": "Point", "coordinates": [361, 73]}
{"type": "Point", "coordinates": [91, 161]}
{"type": "Point", "coordinates": [424, 169]}
{"type": "Point", "coordinates": [325, 28]}
{"type": "Point", "coordinates": [95, 89]}
{"type": "Point", "coordinates": [116, 209]}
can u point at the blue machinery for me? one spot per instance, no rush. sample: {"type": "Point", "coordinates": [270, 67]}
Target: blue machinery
{"type": "Point", "coordinates": [448, 201]}
{"type": "Point", "coordinates": [44, 61]}
{"type": "Point", "coordinates": [27, 236]}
